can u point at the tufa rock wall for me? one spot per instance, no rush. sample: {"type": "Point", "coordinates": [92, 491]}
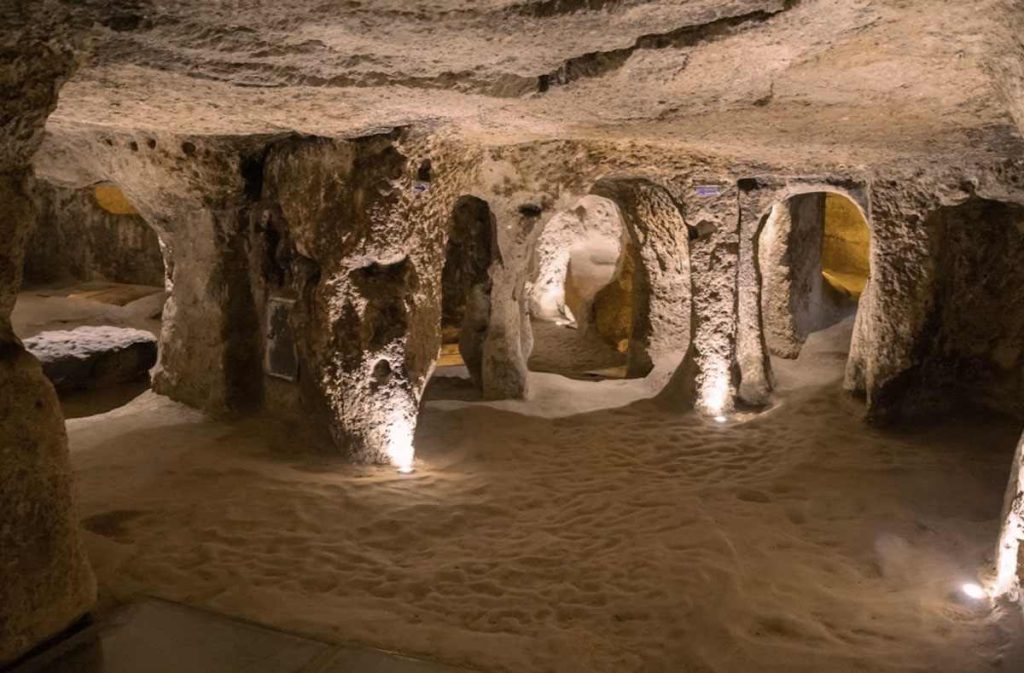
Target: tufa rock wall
{"type": "Point", "coordinates": [363, 238]}
{"type": "Point", "coordinates": [845, 247]}
{"type": "Point", "coordinates": [45, 581]}
{"type": "Point", "coordinates": [76, 238]}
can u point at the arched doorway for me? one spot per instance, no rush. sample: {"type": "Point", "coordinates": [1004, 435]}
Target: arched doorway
{"type": "Point", "coordinates": [465, 300]}
{"type": "Point", "coordinates": [813, 255]}
{"type": "Point", "coordinates": [582, 292]}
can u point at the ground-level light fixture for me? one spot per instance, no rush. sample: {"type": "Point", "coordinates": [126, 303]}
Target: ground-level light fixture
{"type": "Point", "coordinates": [973, 590]}
{"type": "Point", "coordinates": [400, 449]}
{"type": "Point", "coordinates": [714, 396]}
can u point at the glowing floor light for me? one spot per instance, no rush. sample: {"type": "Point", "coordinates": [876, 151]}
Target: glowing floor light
{"type": "Point", "coordinates": [400, 448]}
{"type": "Point", "coordinates": [973, 590]}
{"type": "Point", "coordinates": [715, 397]}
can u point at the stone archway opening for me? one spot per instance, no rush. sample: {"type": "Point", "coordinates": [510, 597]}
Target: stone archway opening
{"type": "Point", "coordinates": [813, 254]}
{"type": "Point", "coordinates": [93, 291]}
{"type": "Point", "coordinates": [583, 292]}
{"type": "Point", "coordinates": [465, 300]}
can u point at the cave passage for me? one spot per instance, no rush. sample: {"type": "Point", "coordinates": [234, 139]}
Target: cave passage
{"type": "Point", "coordinates": [814, 264]}
{"type": "Point", "coordinates": [471, 248]}
{"type": "Point", "coordinates": [92, 297]}
{"type": "Point", "coordinates": [583, 299]}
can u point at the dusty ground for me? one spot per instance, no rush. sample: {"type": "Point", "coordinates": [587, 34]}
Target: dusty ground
{"type": "Point", "coordinates": [624, 539]}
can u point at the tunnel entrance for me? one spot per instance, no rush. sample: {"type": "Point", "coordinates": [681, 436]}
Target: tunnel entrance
{"type": "Point", "coordinates": [814, 263]}
{"type": "Point", "coordinates": [970, 354]}
{"type": "Point", "coordinates": [92, 296]}
{"type": "Point", "coordinates": [582, 295]}
{"type": "Point", "coordinates": [465, 300]}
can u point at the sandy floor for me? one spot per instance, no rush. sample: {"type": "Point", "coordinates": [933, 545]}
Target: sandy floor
{"type": "Point", "coordinates": [572, 352]}
{"type": "Point", "coordinates": [629, 539]}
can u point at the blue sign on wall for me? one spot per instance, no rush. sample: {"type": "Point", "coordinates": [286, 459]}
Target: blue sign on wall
{"type": "Point", "coordinates": [709, 190]}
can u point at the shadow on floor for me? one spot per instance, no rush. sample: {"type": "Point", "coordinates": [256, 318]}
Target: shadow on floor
{"type": "Point", "coordinates": [161, 637]}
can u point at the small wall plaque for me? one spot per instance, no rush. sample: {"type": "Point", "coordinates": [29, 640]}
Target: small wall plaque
{"type": "Point", "coordinates": [708, 190]}
{"type": "Point", "coordinates": [281, 359]}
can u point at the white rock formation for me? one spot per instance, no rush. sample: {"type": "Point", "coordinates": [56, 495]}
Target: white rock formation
{"type": "Point", "coordinates": [93, 356]}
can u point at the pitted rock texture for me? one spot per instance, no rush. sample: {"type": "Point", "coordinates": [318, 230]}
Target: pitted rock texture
{"type": "Point", "coordinates": [348, 228]}
{"type": "Point", "coordinates": [74, 238]}
{"type": "Point", "coordinates": [755, 78]}
{"type": "Point", "coordinates": [46, 583]}
{"type": "Point", "coordinates": [93, 357]}
{"type": "Point", "coordinates": [313, 153]}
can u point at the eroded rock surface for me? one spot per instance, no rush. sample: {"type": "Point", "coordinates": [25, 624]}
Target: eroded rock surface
{"type": "Point", "coordinates": [76, 238]}
{"type": "Point", "coordinates": [45, 580]}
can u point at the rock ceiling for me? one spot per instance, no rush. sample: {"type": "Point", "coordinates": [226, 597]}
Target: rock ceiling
{"type": "Point", "coordinates": [811, 78]}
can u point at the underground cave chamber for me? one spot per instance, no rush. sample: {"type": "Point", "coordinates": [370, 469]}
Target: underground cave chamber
{"type": "Point", "coordinates": [545, 336]}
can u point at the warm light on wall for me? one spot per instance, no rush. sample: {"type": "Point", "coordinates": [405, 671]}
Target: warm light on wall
{"type": "Point", "coordinates": [110, 198]}
{"type": "Point", "coordinates": [845, 246]}
{"type": "Point", "coordinates": [1012, 531]}
{"type": "Point", "coordinates": [1007, 554]}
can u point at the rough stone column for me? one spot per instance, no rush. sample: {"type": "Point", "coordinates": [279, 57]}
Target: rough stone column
{"type": "Point", "coordinates": [45, 581]}
{"type": "Point", "coordinates": [209, 340]}
{"type": "Point", "coordinates": [661, 322]}
{"type": "Point", "coordinates": [714, 257]}
{"type": "Point", "coordinates": [192, 191]}
{"type": "Point", "coordinates": [371, 235]}
{"type": "Point", "coordinates": [509, 338]}
{"type": "Point", "coordinates": [899, 298]}
{"type": "Point", "coordinates": [755, 199]}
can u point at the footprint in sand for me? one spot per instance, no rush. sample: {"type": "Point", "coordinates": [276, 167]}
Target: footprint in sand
{"type": "Point", "coordinates": [113, 524]}
{"type": "Point", "coordinates": [752, 495]}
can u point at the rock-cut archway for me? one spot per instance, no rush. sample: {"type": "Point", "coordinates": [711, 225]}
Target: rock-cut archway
{"type": "Point", "coordinates": [583, 292]}
{"type": "Point", "coordinates": [658, 240]}
{"type": "Point", "coordinates": [813, 254]}
{"type": "Point", "coordinates": [470, 250]}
